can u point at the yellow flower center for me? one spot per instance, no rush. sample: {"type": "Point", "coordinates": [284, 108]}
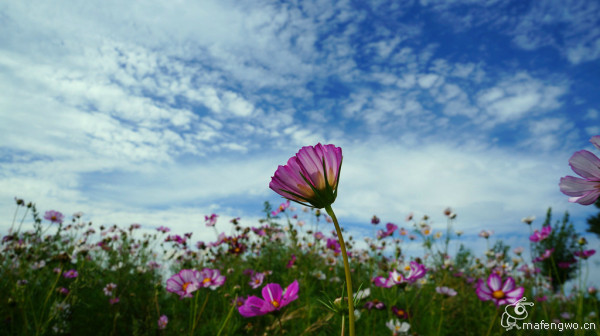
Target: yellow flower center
{"type": "Point", "coordinates": [407, 268]}
{"type": "Point", "coordinates": [397, 328]}
{"type": "Point", "coordinates": [498, 294]}
{"type": "Point", "coordinates": [185, 286]}
{"type": "Point", "coordinates": [275, 304]}
{"type": "Point", "coordinates": [206, 280]}
{"type": "Point", "coordinates": [257, 281]}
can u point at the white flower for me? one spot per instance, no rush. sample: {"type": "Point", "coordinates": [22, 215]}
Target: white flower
{"type": "Point", "coordinates": [396, 327]}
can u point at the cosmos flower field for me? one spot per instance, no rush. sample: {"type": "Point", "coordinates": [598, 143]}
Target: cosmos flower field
{"type": "Point", "coordinates": [69, 277]}
{"type": "Point", "coordinates": [294, 273]}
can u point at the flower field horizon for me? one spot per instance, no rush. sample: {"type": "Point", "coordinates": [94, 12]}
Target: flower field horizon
{"type": "Point", "coordinates": [64, 276]}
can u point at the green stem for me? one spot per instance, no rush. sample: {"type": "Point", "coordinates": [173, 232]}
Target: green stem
{"type": "Point", "coordinates": [492, 323]}
{"type": "Point", "coordinates": [228, 316]}
{"type": "Point", "coordinates": [346, 269]}
{"type": "Point", "coordinates": [197, 318]}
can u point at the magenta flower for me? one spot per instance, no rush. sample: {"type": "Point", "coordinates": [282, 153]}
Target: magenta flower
{"type": "Point", "coordinates": [163, 229]}
{"type": "Point", "coordinates": [162, 322]}
{"type": "Point", "coordinates": [384, 282]}
{"type": "Point", "coordinates": [54, 216]}
{"type": "Point", "coordinates": [544, 255]}
{"type": "Point", "coordinates": [281, 208]}
{"type": "Point", "coordinates": [538, 236]}
{"type": "Point", "coordinates": [374, 304]}
{"type": "Point", "coordinates": [114, 300]}
{"type": "Point", "coordinates": [375, 220]}
{"type": "Point", "coordinates": [70, 274]}
{"type": "Point", "coordinates": [585, 190]}
{"type": "Point", "coordinates": [291, 261]}
{"type": "Point", "coordinates": [311, 177]}
{"type": "Point", "coordinates": [417, 271]}
{"type": "Point", "coordinates": [501, 293]}
{"type": "Point", "coordinates": [211, 220]}
{"type": "Point", "coordinates": [183, 283]}
{"type": "Point", "coordinates": [584, 254]}
{"type": "Point", "coordinates": [390, 228]}
{"type": "Point", "coordinates": [273, 299]}
{"type": "Point", "coordinates": [211, 278]}
{"type": "Point", "coordinates": [333, 245]}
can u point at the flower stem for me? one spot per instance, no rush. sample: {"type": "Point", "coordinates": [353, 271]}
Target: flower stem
{"type": "Point", "coordinates": [346, 269]}
{"type": "Point", "coordinates": [233, 306]}
{"type": "Point", "coordinates": [492, 323]}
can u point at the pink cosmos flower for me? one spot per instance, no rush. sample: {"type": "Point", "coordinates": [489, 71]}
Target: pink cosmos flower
{"type": "Point", "coordinates": [183, 283]}
{"type": "Point", "coordinates": [389, 230]}
{"type": "Point", "coordinates": [501, 293]}
{"type": "Point", "coordinates": [70, 274]}
{"type": "Point", "coordinates": [311, 177]}
{"type": "Point", "coordinates": [291, 261]}
{"type": "Point", "coordinates": [54, 216]}
{"type": "Point", "coordinates": [333, 245]}
{"type": "Point", "coordinates": [211, 220]}
{"type": "Point", "coordinates": [374, 304]}
{"type": "Point", "coordinates": [375, 220]}
{"type": "Point", "coordinates": [538, 236]}
{"type": "Point", "coordinates": [282, 208]}
{"type": "Point", "coordinates": [256, 280]}
{"type": "Point", "coordinates": [211, 278]}
{"type": "Point", "coordinates": [114, 300]}
{"type": "Point", "coordinates": [108, 290]}
{"type": "Point", "coordinates": [544, 255]}
{"type": "Point", "coordinates": [274, 298]}
{"type": "Point", "coordinates": [163, 229]}
{"type": "Point", "coordinates": [585, 190]}
{"type": "Point", "coordinates": [384, 282]}
{"type": "Point", "coordinates": [445, 291]}
{"type": "Point", "coordinates": [485, 233]}
{"type": "Point", "coordinates": [162, 322]}
{"type": "Point", "coordinates": [584, 254]}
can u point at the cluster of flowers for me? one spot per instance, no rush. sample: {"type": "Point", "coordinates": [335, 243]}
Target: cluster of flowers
{"type": "Point", "coordinates": [188, 281]}
{"type": "Point", "coordinates": [395, 277]}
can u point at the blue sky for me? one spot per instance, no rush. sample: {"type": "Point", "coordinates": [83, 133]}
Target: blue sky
{"type": "Point", "coordinates": [164, 111]}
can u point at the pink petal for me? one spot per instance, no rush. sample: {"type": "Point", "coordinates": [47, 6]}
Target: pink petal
{"type": "Point", "coordinates": [494, 282]}
{"type": "Point", "coordinates": [574, 186]}
{"type": "Point", "coordinates": [509, 284]}
{"type": "Point", "coordinates": [595, 140]}
{"type": "Point", "coordinates": [272, 292]}
{"type": "Point", "coordinates": [252, 307]}
{"type": "Point", "coordinates": [290, 294]}
{"type": "Point", "coordinates": [585, 164]}
{"type": "Point", "coordinates": [587, 199]}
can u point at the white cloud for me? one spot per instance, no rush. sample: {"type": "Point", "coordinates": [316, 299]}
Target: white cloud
{"type": "Point", "coordinates": [518, 96]}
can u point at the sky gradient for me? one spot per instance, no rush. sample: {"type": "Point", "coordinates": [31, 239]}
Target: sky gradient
{"type": "Point", "coordinates": [161, 112]}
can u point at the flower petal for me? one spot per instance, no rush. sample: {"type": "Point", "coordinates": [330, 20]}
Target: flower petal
{"type": "Point", "coordinates": [585, 164]}
{"type": "Point", "coordinates": [272, 292]}
{"type": "Point", "coordinates": [494, 282]}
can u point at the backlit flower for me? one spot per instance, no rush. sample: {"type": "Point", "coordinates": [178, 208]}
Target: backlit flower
{"type": "Point", "coordinates": [211, 220]}
{"type": "Point", "coordinates": [538, 236]}
{"type": "Point", "coordinates": [162, 322]}
{"type": "Point", "coordinates": [210, 278]}
{"type": "Point", "coordinates": [585, 190]}
{"type": "Point", "coordinates": [274, 298]}
{"type": "Point", "coordinates": [183, 283]}
{"type": "Point", "coordinates": [501, 293]}
{"type": "Point", "coordinates": [54, 216]}
{"type": "Point", "coordinates": [584, 254]}
{"type": "Point", "coordinates": [311, 176]}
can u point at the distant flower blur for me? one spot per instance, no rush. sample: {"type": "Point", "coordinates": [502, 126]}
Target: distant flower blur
{"type": "Point", "coordinates": [162, 322]}
{"type": "Point", "coordinates": [54, 216]}
{"type": "Point", "coordinates": [211, 220]}
{"type": "Point", "coordinates": [538, 236]}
